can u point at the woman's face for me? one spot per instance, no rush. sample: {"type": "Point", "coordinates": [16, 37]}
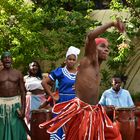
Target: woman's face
{"type": "Point", "coordinates": [71, 61]}
{"type": "Point", "coordinates": [33, 68]}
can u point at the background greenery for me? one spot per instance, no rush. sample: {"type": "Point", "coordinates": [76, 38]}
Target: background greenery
{"type": "Point", "coordinates": [44, 29]}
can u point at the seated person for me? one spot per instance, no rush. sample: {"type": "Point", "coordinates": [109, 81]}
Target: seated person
{"type": "Point", "coordinates": [116, 96]}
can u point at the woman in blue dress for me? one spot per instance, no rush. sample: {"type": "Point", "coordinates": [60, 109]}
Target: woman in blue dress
{"type": "Point", "coordinates": [66, 77]}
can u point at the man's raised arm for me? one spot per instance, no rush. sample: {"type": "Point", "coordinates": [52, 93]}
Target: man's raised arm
{"type": "Point", "coordinates": [90, 46]}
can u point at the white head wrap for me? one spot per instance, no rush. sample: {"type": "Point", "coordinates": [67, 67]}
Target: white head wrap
{"type": "Point", "coordinates": [72, 50]}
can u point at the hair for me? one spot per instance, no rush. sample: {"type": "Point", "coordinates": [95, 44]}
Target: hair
{"type": "Point", "coordinates": [117, 76]}
{"type": "Point", "coordinates": [39, 73]}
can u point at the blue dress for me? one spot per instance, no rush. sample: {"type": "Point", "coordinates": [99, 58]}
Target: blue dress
{"type": "Point", "coordinates": [66, 81]}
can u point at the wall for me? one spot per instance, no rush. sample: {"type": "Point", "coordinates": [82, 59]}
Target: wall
{"type": "Point", "coordinates": [133, 69]}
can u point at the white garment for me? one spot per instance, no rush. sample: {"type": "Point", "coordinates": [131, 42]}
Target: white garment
{"type": "Point", "coordinates": [32, 83]}
{"type": "Point", "coordinates": [72, 50]}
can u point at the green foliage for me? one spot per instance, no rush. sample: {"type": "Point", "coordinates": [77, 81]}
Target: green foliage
{"type": "Point", "coordinates": [43, 29]}
{"type": "Point", "coordinates": [119, 55]}
{"type": "Point", "coordinates": [121, 45]}
{"type": "Point", "coordinates": [116, 5]}
{"type": "Point", "coordinates": [21, 30]}
{"type": "Point", "coordinates": [136, 97]}
{"type": "Point", "coordinates": [106, 80]}
{"type": "Point", "coordinates": [134, 7]}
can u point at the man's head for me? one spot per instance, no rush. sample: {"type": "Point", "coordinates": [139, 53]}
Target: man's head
{"type": "Point", "coordinates": [6, 54]}
{"type": "Point", "coordinates": [102, 47]}
{"type": "Point", "coordinates": [6, 59]}
{"type": "Point", "coordinates": [116, 82]}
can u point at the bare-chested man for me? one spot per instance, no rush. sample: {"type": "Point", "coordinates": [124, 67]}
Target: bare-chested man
{"type": "Point", "coordinates": [12, 101]}
{"type": "Point", "coordinates": [1, 65]}
{"type": "Point", "coordinates": [83, 118]}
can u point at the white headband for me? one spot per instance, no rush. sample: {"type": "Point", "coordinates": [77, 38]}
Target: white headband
{"type": "Point", "coordinates": [72, 50]}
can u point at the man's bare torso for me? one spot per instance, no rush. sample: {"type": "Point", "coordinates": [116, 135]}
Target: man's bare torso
{"type": "Point", "coordinates": [9, 83]}
{"type": "Point", "coordinates": [87, 82]}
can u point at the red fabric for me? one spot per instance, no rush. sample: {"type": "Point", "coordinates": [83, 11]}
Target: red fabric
{"type": "Point", "coordinates": [51, 100]}
{"type": "Point", "coordinates": [101, 40]}
{"type": "Point", "coordinates": [82, 121]}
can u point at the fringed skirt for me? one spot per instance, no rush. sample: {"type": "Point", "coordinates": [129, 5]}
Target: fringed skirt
{"type": "Point", "coordinates": [82, 121]}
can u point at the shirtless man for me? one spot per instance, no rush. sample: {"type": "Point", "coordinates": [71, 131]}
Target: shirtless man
{"type": "Point", "coordinates": [12, 101]}
{"type": "Point", "coordinates": [1, 65]}
{"type": "Point", "coordinates": [82, 117]}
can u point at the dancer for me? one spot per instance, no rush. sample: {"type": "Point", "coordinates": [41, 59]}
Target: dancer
{"type": "Point", "coordinates": [83, 118]}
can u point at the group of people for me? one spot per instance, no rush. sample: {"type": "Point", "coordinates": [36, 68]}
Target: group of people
{"type": "Point", "coordinates": [77, 109]}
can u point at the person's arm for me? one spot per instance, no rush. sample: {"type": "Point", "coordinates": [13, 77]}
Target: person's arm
{"type": "Point", "coordinates": [102, 100]}
{"type": "Point", "coordinates": [46, 83]}
{"type": "Point", "coordinates": [23, 95]}
{"type": "Point", "coordinates": [130, 101]}
{"type": "Point", "coordinates": [90, 46]}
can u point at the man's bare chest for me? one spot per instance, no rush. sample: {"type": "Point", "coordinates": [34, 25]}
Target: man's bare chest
{"type": "Point", "coordinates": [8, 77]}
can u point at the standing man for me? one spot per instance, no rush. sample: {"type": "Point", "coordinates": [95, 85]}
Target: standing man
{"type": "Point", "coordinates": [116, 96]}
{"type": "Point", "coordinates": [82, 117]}
{"type": "Point", "coordinates": [12, 101]}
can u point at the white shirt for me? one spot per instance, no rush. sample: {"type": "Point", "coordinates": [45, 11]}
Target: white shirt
{"type": "Point", "coordinates": [32, 83]}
